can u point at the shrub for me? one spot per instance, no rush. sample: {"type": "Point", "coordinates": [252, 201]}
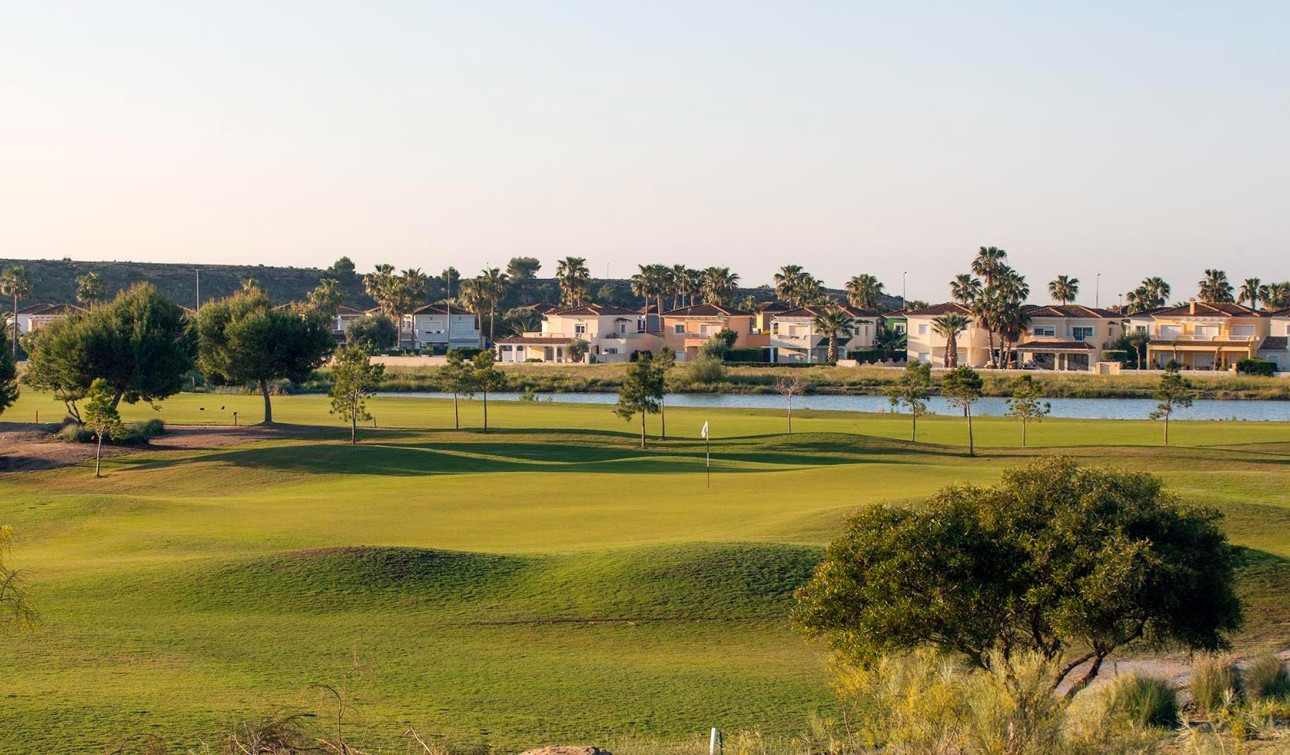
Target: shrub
{"type": "Point", "coordinates": [73, 432]}
{"type": "Point", "coordinates": [1215, 684]}
{"type": "Point", "coordinates": [152, 427]}
{"type": "Point", "coordinates": [1260, 367]}
{"type": "Point", "coordinates": [746, 355]}
{"type": "Point", "coordinates": [1266, 678]}
{"type": "Point", "coordinates": [706, 370]}
{"type": "Point", "coordinates": [1143, 701]}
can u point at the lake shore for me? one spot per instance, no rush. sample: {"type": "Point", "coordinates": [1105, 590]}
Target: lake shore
{"type": "Point", "coordinates": [829, 380]}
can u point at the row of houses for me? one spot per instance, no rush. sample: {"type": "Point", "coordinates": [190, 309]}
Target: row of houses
{"type": "Point", "coordinates": [614, 334]}
{"type": "Point", "coordinates": [429, 326]}
{"type": "Point", "coordinates": [1197, 335]}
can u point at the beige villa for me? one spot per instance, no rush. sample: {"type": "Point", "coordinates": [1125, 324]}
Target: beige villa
{"type": "Point", "coordinates": [612, 334]}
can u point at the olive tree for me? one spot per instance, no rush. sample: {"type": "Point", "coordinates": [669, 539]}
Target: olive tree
{"type": "Point", "coordinates": [1071, 563]}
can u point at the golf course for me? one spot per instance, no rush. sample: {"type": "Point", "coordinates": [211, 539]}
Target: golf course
{"type": "Point", "coordinates": [546, 582]}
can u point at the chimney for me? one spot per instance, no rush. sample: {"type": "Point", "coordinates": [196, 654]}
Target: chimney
{"type": "Point", "coordinates": [1192, 305]}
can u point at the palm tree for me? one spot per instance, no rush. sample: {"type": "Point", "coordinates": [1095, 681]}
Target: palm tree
{"type": "Point", "coordinates": [1158, 289]}
{"type": "Point", "coordinates": [90, 289]}
{"type": "Point", "coordinates": [831, 322]}
{"type": "Point", "coordinates": [864, 292]}
{"type": "Point", "coordinates": [1012, 322]}
{"type": "Point", "coordinates": [788, 281]}
{"type": "Point", "coordinates": [889, 341]}
{"type": "Point", "coordinates": [379, 284]}
{"type": "Point", "coordinates": [652, 282]}
{"type": "Point", "coordinates": [965, 288]}
{"type": "Point", "coordinates": [1012, 286]}
{"type": "Point", "coordinates": [989, 263]}
{"type": "Point", "coordinates": [1214, 287]}
{"type": "Point", "coordinates": [984, 309]}
{"type": "Point", "coordinates": [810, 291]}
{"type": "Point", "coordinates": [1277, 296]}
{"type": "Point", "coordinates": [1064, 289]}
{"type": "Point", "coordinates": [574, 279]}
{"type": "Point", "coordinates": [494, 285]}
{"type": "Point", "coordinates": [949, 327]}
{"type": "Point", "coordinates": [1253, 290]}
{"type": "Point", "coordinates": [718, 285]}
{"type": "Point", "coordinates": [15, 282]}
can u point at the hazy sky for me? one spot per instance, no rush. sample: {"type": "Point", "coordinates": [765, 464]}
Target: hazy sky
{"type": "Point", "coordinates": [847, 137]}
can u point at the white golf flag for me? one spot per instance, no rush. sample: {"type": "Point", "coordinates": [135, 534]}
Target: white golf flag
{"type": "Point", "coordinates": [704, 431]}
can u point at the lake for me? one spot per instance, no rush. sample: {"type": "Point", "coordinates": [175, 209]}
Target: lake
{"type": "Point", "coordinates": [1073, 408]}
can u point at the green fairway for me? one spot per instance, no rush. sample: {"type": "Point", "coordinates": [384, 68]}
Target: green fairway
{"type": "Point", "coordinates": [549, 581]}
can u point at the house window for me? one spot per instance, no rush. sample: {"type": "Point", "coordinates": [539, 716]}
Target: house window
{"type": "Point", "coordinates": [1082, 332]}
{"type": "Point", "coordinates": [1045, 330]}
{"type": "Point", "coordinates": [1243, 331]}
{"type": "Point", "coordinates": [922, 329]}
{"type": "Point", "coordinates": [580, 329]}
{"type": "Point", "coordinates": [678, 328]}
{"type": "Point", "coordinates": [1141, 329]}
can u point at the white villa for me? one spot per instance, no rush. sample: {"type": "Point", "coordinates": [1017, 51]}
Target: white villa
{"type": "Point", "coordinates": [434, 325]}
{"type": "Point", "coordinates": [794, 337]}
{"type": "Point", "coordinates": [35, 316]}
{"type": "Point", "coordinates": [612, 334]}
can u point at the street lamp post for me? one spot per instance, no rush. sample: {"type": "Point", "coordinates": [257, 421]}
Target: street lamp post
{"type": "Point", "coordinates": [902, 288]}
{"type": "Point", "coordinates": [1097, 291]}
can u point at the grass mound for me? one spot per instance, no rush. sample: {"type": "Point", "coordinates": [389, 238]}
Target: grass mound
{"type": "Point", "coordinates": [708, 581]}
{"type": "Point", "coordinates": [686, 582]}
{"type": "Point", "coordinates": [354, 577]}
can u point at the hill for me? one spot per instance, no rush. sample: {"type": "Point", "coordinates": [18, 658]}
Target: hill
{"type": "Point", "coordinates": [55, 281]}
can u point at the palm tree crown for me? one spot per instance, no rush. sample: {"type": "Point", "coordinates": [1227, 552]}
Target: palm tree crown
{"type": "Point", "coordinates": [1214, 287]}
{"type": "Point", "coordinates": [864, 292]}
{"type": "Point", "coordinates": [1064, 289]}
{"type": "Point", "coordinates": [832, 322]}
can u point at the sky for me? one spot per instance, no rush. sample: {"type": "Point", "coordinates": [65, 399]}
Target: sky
{"type": "Point", "coordinates": [1126, 139]}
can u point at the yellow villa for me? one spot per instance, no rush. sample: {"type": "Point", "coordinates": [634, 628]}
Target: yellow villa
{"type": "Point", "coordinates": [1203, 336]}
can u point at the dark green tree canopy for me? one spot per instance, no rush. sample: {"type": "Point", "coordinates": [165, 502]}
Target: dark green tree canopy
{"type": "Point", "coordinates": [8, 382]}
{"type": "Point", "coordinates": [374, 332]}
{"type": "Point", "coordinates": [140, 345]}
{"type": "Point", "coordinates": [1069, 562]}
{"type": "Point", "coordinates": [244, 340]}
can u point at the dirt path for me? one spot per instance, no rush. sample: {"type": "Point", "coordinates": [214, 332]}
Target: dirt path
{"type": "Point", "coordinates": [28, 447]}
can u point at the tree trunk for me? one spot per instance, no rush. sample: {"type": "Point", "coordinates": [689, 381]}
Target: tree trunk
{"type": "Point", "coordinates": [98, 453]}
{"type": "Point", "coordinates": [1088, 677]}
{"type": "Point", "coordinates": [485, 411]}
{"type": "Point", "coordinates": [913, 433]}
{"type": "Point", "coordinates": [116, 399]}
{"type": "Point", "coordinates": [967, 412]}
{"type": "Point", "coordinates": [1166, 428]}
{"type": "Point", "coordinates": [268, 407]}
{"type": "Point", "coordinates": [456, 414]}
{"type": "Point", "coordinates": [662, 418]}
{"type": "Point", "coordinates": [1023, 432]}
{"type": "Point", "coordinates": [492, 321]}
{"type": "Point", "coordinates": [353, 425]}
{"type": "Point", "coordinates": [790, 415]}
{"type": "Point", "coordinates": [642, 429]}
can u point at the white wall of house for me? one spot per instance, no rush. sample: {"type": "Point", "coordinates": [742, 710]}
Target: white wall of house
{"type": "Point", "coordinates": [431, 329]}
